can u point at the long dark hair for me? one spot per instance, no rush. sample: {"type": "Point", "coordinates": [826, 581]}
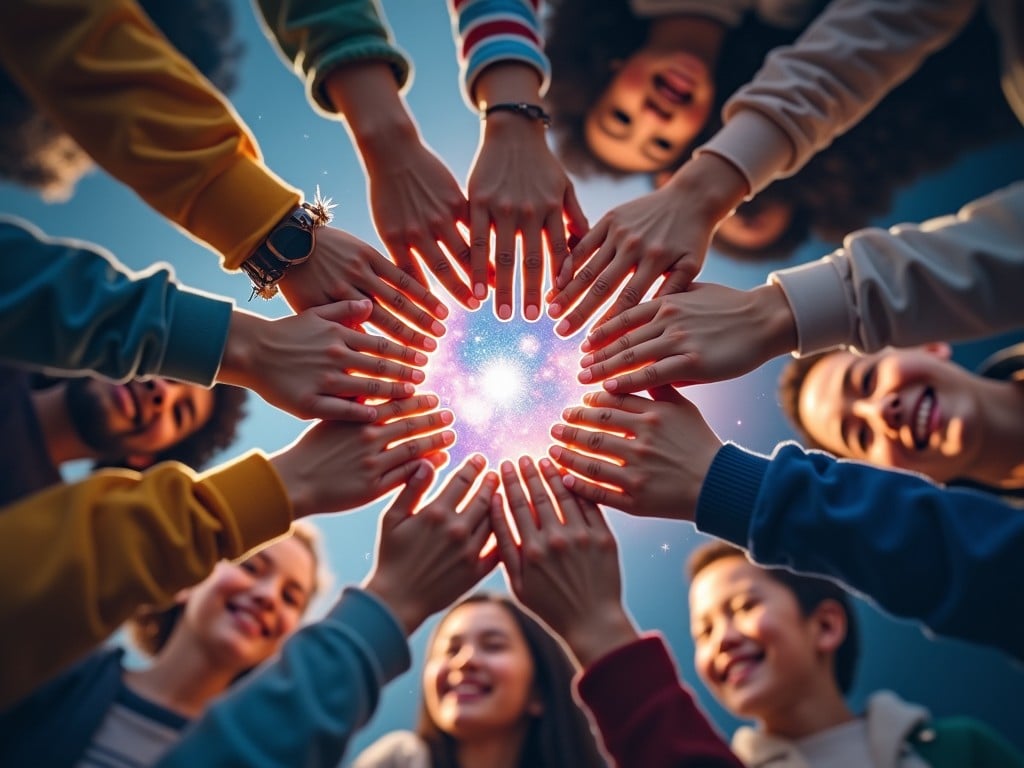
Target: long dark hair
{"type": "Point", "coordinates": [561, 736]}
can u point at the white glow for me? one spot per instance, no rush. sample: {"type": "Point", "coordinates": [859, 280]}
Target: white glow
{"type": "Point", "coordinates": [500, 381]}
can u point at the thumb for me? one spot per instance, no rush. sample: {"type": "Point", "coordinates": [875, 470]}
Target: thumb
{"type": "Point", "coordinates": [577, 222]}
{"type": "Point", "coordinates": [666, 394]}
{"type": "Point", "coordinates": [407, 501]}
{"type": "Point", "coordinates": [350, 312]}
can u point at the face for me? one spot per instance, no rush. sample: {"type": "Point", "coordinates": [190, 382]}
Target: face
{"type": "Point", "coordinates": [910, 409]}
{"type": "Point", "coordinates": [138, 418]}
{"type": "Point", "coordinates": [757, 227]}
{"type": "Point", "coordinates": [478, 677]}
{"type": "Point", "coordinates": [243, 611]}
{"type": "Point", "coordinates": [754, 650]}
{"type": "Point", "coordinates": [651, 111]}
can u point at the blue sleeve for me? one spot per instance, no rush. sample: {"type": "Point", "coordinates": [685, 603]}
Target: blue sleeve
{"type": "Point", "coordinates": [303, 708]}
{"type": "Point", "coordinates": [68, 306]}
{"type": "Point", "coordinates": [950, 558]}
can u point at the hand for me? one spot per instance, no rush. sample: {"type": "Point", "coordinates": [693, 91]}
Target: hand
{"type": "Point", "coordinates": [429, 557]}
{"type": "Point", "coordinates": [344, 267]}
{"type": "Point", "coordinates": [664, 233]}
{"type": "Point", "coordinates": [656, 462]}
{"type": "Point", "coordinates": [518, 186]}
{"type": "Point", "coordinates": [566, 569]}
{"type": "Point", "coordinates": [303, 363]}
{"type": "Point", "coordinates": [336, 466]}
{"type": "Point", "coordinates": [707, 333]}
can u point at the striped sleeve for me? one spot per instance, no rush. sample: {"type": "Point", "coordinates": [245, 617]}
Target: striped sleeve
{"type": "Point", "coordinates": [491, 31]}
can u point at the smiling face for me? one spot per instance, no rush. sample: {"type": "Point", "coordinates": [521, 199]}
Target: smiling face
{"type": "Point", "coordinates": [242, 612]}
{"type": "Point", "coordinates": [137, 418]}
{"type": "Point", "coordinates": [478, 677]}
{"type": "Point", "coordinates": [910, 409]}
{"type": "Point", "coordinates": [754, 649]}
{"type": "Point", "coordinates": [651, 111]}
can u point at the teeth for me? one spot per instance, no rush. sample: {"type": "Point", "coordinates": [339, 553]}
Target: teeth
{"type": "Point", "coordinates": [921, 421]}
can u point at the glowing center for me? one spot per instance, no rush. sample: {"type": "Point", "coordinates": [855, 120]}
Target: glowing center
{"type": "Point", "coordinates": [501, 381]}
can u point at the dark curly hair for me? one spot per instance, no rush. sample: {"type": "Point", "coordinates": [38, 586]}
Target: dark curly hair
{"type": "Point", "coordinates": [584, 40]}
{"type": "Point", "coordinates": [37, 153]}
{"type": "Point", "coordinates": [562, 735]}
{"type": "Point", "coordinates": [809, 591]}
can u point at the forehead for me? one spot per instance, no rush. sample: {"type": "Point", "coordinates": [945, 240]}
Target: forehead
{"type": "Point", "coordinates": [291, 558]}
{"type": "Point", "coordinates": [723, 578]}
{"type": "Point", "coordinates": [474, 619]}
{"type": "Point", "coordinates": [822, 398]}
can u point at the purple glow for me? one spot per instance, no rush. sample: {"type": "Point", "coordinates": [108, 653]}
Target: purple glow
{"type": "Point", "coordinates": [506, 382]}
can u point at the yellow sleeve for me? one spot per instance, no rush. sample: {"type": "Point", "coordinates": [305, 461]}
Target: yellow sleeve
{"type": "Point", "coordinates": [103, 72]}
{"type": "Point", "coordinates": [76, 560]}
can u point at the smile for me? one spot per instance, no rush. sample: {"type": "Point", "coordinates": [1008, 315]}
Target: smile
{"type": "Point", "coordinates": [924, 419]}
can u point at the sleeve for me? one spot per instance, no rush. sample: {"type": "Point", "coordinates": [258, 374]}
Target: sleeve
{"type": "Point", "coordinates": [492, 31]}
{"type": "Point", "coordinates": [68, 306]}
{"type": "Point", "coordinates": [107, 76]}
{"type": "Point", "coordinates": [844, 63]}
{"type": "Point", "coordinates": [942, 556]}
{"type": "Point", "coordinates": [398, 749]}
{"type": "Point", "coordinates": [645, 715]}
{"type": "Point", "coordinates": [315, 36]}
{"type": "Point", "coordinates": [304, 708]}
{"type": "Point", "coordinates": [952, 278]}
{"type": "Point", "coordinates": [78, 559]}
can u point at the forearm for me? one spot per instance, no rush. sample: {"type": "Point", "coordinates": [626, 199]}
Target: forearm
{"type": "Point", "coordinates": [107, 76]}
{"type": "Point", "coordinates": [952, 278]}
{"type": "Point", "coordinates": [80, 558]}
{"type": "Point", "coordinates": [68, 306]}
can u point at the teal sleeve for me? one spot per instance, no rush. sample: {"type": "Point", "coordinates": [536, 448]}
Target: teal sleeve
{"type": "Point", "coordinates": [303, 708]}
{"type": "Point", "coordinates": [316, 36]}
{"type": "Point", "coordinates": [68, 306]}
{"type": "Point", "coordinates": [958, 741]}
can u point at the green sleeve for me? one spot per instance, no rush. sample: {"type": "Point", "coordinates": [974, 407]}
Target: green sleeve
{"type": "Point", "coordinates": [961, 741]}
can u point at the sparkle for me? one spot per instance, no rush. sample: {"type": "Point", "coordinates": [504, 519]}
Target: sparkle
{"type": "Point", "coordinates": [665, 547]}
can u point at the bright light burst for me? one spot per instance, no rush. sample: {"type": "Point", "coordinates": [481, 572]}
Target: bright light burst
{"type": "Point", "coordinates": [506, 382]}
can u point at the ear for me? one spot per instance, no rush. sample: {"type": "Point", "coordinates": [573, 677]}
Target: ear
{"type": "Point", "coordinates": [182, 595]}
{"type": "Point", "coordinates": [830, 625]}
{"type": "Point", "coordinates": [940, 349]}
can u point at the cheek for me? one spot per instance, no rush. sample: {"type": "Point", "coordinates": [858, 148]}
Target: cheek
{"type": "Point", "coordinates": [702, 657]}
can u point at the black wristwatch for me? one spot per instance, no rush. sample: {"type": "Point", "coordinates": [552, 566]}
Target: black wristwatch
{"type": "Point", "coordinates": [291, 242]}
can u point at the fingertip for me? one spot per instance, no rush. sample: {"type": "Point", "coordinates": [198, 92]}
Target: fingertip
{"type": "Point", "coordinates": [586, 346]}
{"type": "Point", "coordinates": [568, 481]}
{"type": "Point", "coordinates": [611, 385]}
{"type": "Point", "coordinates": [480, 291]}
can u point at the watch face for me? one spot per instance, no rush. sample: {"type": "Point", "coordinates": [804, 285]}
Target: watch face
{"type": "Point", "coordinates": [292, 242]}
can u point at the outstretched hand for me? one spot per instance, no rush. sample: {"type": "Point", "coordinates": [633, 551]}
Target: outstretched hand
{"type": "Point", "coordinates": [654, 454]}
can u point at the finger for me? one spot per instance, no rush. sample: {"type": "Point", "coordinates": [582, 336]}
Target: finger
{"type": "Point", "coordinates": [460, 483]}
{"type": "Point", "coordinates": [348, 313]}
{"type": "Point", "coordinates": [400, 475]}
{"type": "Point", "coordinates": [339, 409]}
{"type": "Point", "coordinates": [632, 292]}
{"type": "Point", "coordinates": [599, 494]}
{"type": "Point", "coordinates": [543, 507]}
{"type": "Point", "coordinates": [409, 288]}
{"type": "Point", "coordinates": [411, 426]}
{"type": "Point", "coordinates": [593, 440]}
{"type": "Point", "coordinates": [446, 273]}
{"type": "Point", "coordinates": [397, 378]}
{"type": "Point", "coordinates": [507, 548]}
{"type": "Point", "coordinates": [533, 269]}
{"type": "Point", "coordinates": [409, 498]}
{"type": "Point", "coordinates": [396, 409]}
{"type": "Point", "coordinates": [572, 508]}
{"type": "Point", "coordinates": [475, 512]}
{"type": "Point", "coordinates": [678, 278]}
{"type": "Point", "coordinates": [453, 241]}
{"type": "Point", "coordinates": [634, 354]}
{"type": "Point", "coordinates": [417, 448]}
{"type": "Point", "coordinates": [505, 264]}
{"type": "Point", "coordinates": [391, 326]}
{"type": "Point", "coordinates": [576, 287]}
{"type": "Point", "coordinates": [603, 287]}
{"type": "Point", "coordinates": [379, 346]}
{"type": "Point", "coordinates": [587, 244]}
{"type": "Point", "coordinates": [406, 261]}
{"type": "Point", "coordinates": [590, 468]}
{"type": "Point", "coordinates": [606, 332]}
{"type": "Point", "coordinates": [627, 403]}
{"type": "Point", "coordinates": [479, 248]}
{"type": "Point", "coordinates": [403, 306]}
{"type": "Point", "coordinates": [558, 248]}
{"type": "Point", "coordinates": [576, 219]}
{"type": "Point", "coordinates": [518, 504]}
{"type": "Point", "coordinates": [666, 394]}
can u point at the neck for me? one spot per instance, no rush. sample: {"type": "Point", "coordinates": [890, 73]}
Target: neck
{"type": "Point", "coordinates": [62, 442]}
{"type": "Point", "coordinates": [181, 678]}
{"type": "Point", "coordinates": [808, 713]}
{"type": "Point", "coordinates": [492, 751]}
{"type": "Point", "coordinates": [697, 35]}
{"type": "Point", "coordinates": [1000, 461]}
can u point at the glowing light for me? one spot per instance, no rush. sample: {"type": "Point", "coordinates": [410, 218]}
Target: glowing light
{"type": "Point", "coordinates": [501, 381]}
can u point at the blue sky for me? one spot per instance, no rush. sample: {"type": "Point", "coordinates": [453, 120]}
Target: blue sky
{"type": "Point", "coordinates": [309, 150]}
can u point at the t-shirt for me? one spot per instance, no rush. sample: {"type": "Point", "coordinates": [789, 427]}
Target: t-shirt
{"type": "Point", "coordinates": [842, 746]}
{"type": "Point", "coordinates": [134, 733]}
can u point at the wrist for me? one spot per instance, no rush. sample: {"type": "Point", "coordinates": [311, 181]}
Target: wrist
{"type": "Point", "coordinates": [292, 478]}
{"type": "Point", "coordinates": [366, 94]}
{"type": "Point", "coordinates": [244, 331]}
{"type": "Point", "coordinates": [599, 634]}
{"type": "Point", "coordinates": [775, 318]}
{"type": "Point", "coordinates": [710, 183]}
{"type": "Point", "coordinates": [405, 611]}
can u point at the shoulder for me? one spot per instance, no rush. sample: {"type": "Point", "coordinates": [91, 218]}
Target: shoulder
{"type": "Point", "coordinates": [398, 749]}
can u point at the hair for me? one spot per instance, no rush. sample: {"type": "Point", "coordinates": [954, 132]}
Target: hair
{"type": "Point", "coordinates": [791, 384]}
{"type": "Point", "coordinates": [151, 627]}
{"type": "Point", "coordinates": [37, 153]}
{"type": "Point", "coordinates": [562, 735]}
{"type": "Point", "coordinates": [809, 591]}
{"type": "Point", "coordinates": [585, 39]}
{"type": "Point", "coordinates": [795, 233]}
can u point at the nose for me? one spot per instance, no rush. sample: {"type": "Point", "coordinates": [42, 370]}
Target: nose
{"type": "Point", "coordinates": [466, 657]}
{"type": "Point", "coordinates": [888, 408]}
{"type": "Point", "coordinates": [154, 391]}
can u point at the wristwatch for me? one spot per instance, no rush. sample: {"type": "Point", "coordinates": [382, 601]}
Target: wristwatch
{"type": "Point", "coordinates": [289, 243]}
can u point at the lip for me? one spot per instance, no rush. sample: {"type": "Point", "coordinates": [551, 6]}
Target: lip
{"type": "Point", "coordinates": [251, 622]}
{"type": "Point", "coordinates": [126, 402]}
{"type": "Point", "coordinates": [466, 690]}
{"type": "Point", "coordinates": [739, 668]}
{"type": "Point", "coordinates": [924, 419]}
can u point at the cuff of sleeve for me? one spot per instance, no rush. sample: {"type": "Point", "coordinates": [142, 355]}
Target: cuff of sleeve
{"type": "Point", "coordinates": [374, 50]}
{"type": "Point", "coordinates": [195, 337]}
{"type": "Point", "coordinates": [755, 145]}
{"type": "Point", "coordinates": [252, 490]}
{"type": "Point", "coordinates": [259, 200]}
{"type": "Point", "coordinates": [389, 649]}
{"type": "Point", "coordinates": [619, 671]}
{"type": "Point", "coordinates": [502, 52]}
{"type": "Point", "coordinates": [729, 494]}
{"type": "Point", "coordinates": [817, 298]}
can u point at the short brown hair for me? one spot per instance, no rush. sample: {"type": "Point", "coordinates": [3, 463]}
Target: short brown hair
{"type": "Point", "coordinates": [809, 591]}
{"type": "Point", "coordinates": [791, 384]}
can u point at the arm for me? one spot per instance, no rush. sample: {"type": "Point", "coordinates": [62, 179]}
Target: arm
{"type": "Point", "coordinates": [942, 556]}
{"type": "Point", "coordinates": [158, 126]}
{"type": "Point", "coordinates": [955, 277]}
{"type": "Point", "coordinates": [79, 559]}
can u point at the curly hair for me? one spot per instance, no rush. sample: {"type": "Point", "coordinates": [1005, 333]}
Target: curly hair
{"type": "Point", "coordinates": [791, 383]}
{"type": "Point", "coordinates": [562, 736]}
{"type": "Point", "coordinates": [37, 153]}
{"type": "Point", "coordinates": [151, 626]}
{"type": "Point", "coordinates": [809, 591]}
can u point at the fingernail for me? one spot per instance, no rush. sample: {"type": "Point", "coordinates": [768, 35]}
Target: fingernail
{"type": "Point", "coordinates": [532, 313]}
{"type": "Point", "coordinates": [441, 311]}
{"type": "Point", "coordinates": [439, 459]}
{"type": "Point", "coordinates": [478, 461]}
{"type": "Point", "coordinates": [421, 471]}
{"type": "Point", "coordinates": [555, 452]}
{"type": "Point", "coordinates": [562, 328]}
{"type": "Point", "coordinates": [436, 328]}
{"type": "Point", "coordinates": [447, 437]}
{"type": "Point", "coordinates": [480, 291]}
{"type": "Point", "coordinates": [473, 303]}
{"type": "Point", "coordinates": [586, 346]}
{"type": "Point", "coordinates": [546, 464]}
{"type": "Point", "coordinates": [568, 481]}
{"type": "Point", "coordinates": [506, 467]}
{"type": "Point", "coordinates": [432, 400]}
{"type": "Point", "coordinates": [418, 376]}
{"type": "Point", "coordinates": [524, 461]}
{"type": "Point", "coordinates": [447, 417]}
{"type": "Point", "coordinates": [408, 388]}
{"type": "Point", "coordinates": [371, 414]}
{"type": "Point", "coordinates": [550, 295]}
{"type": "Point", "coordinates": [585, 377]}
{"type": "Point", "coordinates": [419, 358]}
{"type": "Point", "coordinates": [557, 431]}
{"type": "Point", "coordinates": [588, 399]}
{"type": "Point", "coordinates": [504, 312]}
{"type": "Point", "coordinates": [555, 310]}
{"type": "Point", "coordinates": [430, 344]}
{"type": "Point", "coordinates": [611, 385]}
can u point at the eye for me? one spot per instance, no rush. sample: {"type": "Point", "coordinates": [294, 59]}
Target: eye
{"type": "Point", "coordinates": [663, 144]}
{"type": "Point", "coordinates": [294, 597]}
{"type": "Point", "coordinates": [867, 380]}
{"type": "Point", "coordinates": [864, 437]}
{"type": "Point", "coordinates": [621, 116]}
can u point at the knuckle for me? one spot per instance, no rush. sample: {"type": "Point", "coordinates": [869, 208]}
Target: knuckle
{"type": "Point", "coordinates": [505, 259]}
